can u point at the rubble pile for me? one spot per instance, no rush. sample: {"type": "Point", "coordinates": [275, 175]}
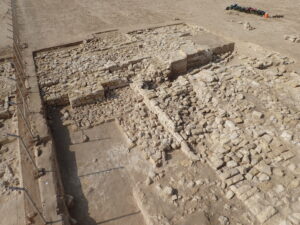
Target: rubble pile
{"type": "Point", "coordinates": [139, 124]}
{"type": "Point", "coordinates": [7, 88]}
{"type": "Point", "coordinates": [244, 146]}
{"type": "Point", "coordinates": [85, 68]}
{"type": "Point", "coordinates": [176, 48]}
{"type": "Point", "coordinates": [111, 59]}
{"type": "Point", "coordinates": [79, 72]}
{"type": "Point", "coordinates": [8, 154]}
{"type": "Point", "coordinates": [117, 102]}
{"type": "Point", "coordinates": [144, 130]}
{"type": "Point", "coordinates": [180, 103]}
{"type": "Point", "coordinates": [243, 129]}
{"type": "Point", "coordinates": [6, 72]}
{"type": "Point", "coordinates": [9, 172]}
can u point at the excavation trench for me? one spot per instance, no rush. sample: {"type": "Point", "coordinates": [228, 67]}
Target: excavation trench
{"type": "Point", "coordinates": [93, 169]}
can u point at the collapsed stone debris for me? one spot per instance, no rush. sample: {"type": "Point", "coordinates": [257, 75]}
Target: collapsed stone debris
{"type": "Point", "coordinates": [169, 93]}
{"type": "Point", "coordinates": [9, 162]}
{"type": "Point", "coordinates": [79, 74]}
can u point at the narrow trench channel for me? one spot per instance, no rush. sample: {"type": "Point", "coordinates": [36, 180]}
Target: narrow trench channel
{"type": "Point", "coordinates": [94, 172]}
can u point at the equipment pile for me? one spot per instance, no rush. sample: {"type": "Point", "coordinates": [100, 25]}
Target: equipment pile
{"type": "Point", "coordinates": [248, 10]}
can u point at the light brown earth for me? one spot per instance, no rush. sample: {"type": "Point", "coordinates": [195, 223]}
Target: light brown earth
{"type": "Point", "coordinates": [5, 29]}
{"type": "Point", "coordinates": [52, 23]}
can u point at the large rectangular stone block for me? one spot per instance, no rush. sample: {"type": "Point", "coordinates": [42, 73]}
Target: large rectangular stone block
{"type": "Point", "coordinates": [216, 44]}
{"type": "Point", "coordinates": [223, 48]}
{"type": "Point", "coordinates": [114, 83]}
{"type": "Point", "coordinates": [197, 55]}
{"type": "Point", "coordinates": [57, 99]}
{"type": "Point", "coordinates": [178, 63]}
{"type": "Point", "coordinates": [86, 95]}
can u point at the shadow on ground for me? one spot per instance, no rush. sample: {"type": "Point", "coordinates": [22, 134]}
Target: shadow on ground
{"type": "Point", "coordinates": [69, 171]}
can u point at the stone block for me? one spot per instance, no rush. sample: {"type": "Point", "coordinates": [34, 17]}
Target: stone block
{"type": "Point", "coordinates": [133, 60]}
{"type": "Point", "coordinates": [197, 55]}
{"type": "Point", "coordinates": [266, 214]}
{"type": "Point", "coordinates": [57, 99]}
{"type": "Point", "coordinates": [204, 56]}
{"type": "Point", "coordinates": [229, 173]}
{"type": "Point", "coordinates": [199, 86]}
{"type": "Point", "coordinates": [259, 206]}
{"type": "Point", "coordinates": [114, 83]}
{"type": "Point", "coordinates": [178, 63]}
{"type": "Point", "coordinates": [111, 66]}
{"type": "Point", "coordinates": [264, 168]}
{"type": "Point", "coordinates": [187, 151]}
{"type": "Point", "coordinates": [229, 194]}
{"type": "Point", "coordinates": [217, 163]}
{"type": "Point", "coordinates": [249, 193]}
{"type": "Point", "coordinates": [205, 76]}
{"type": "Point", "coordinates": [224, 48]}
{"type": "Point", "coordinates": [254, 203]}
{"type": "Point", "coordinates": [86, 96]}
{"type": "Point", "coordinates": [4, 114]}
{"type": "Point", "coordinates": [216, 44]}
{"type": "Point", "coordinates": [287, 155]}
{"type": "Point", "coordinates": [234, 180]}
{"type": "Point", "coordinates": [242, 189]}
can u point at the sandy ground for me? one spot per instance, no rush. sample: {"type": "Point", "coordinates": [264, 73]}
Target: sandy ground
{"type": "Point", "coordinates": [5, 20]}
{"type": "Point", "coordinates": [8, 204]}
{"type": "Point", "coordinates": [51, 23]}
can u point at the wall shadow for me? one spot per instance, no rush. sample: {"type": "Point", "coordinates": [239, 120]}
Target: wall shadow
{"type": "Point", "coordinates": [69, 170]}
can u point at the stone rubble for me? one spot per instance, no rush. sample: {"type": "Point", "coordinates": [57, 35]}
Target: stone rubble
{"type": "Point", "coordinates": [236, 117]}
{"type": "Point", "coordinates": [80, 74]}
{"type": "Point", "coordinates": [9, 163]}
{"type": "Point", "coordinates": [247, 26]}
{"type": "Point", "coordinates": [224, 220]}
{"type": "Point", "coordinates": [292, 38]}
{"type": "Point", "coordinates": [7, 88]}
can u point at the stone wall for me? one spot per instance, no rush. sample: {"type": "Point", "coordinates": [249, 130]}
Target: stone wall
{"type": "Point", "coordinates": [112, 59]}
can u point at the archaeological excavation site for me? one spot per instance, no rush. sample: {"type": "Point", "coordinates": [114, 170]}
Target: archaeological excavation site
{"type": "Point", "coordinates": [136, 113]}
